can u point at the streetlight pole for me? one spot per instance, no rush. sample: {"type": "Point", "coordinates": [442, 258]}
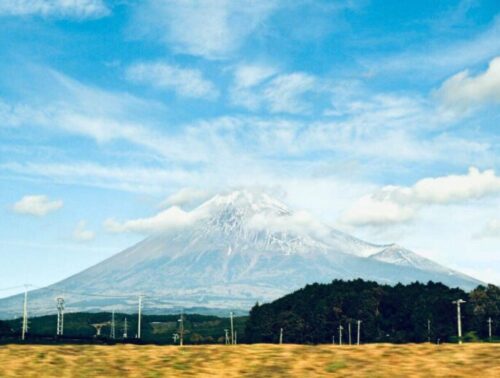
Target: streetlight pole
{"type": "Point", "coordinates": [489, 327]}
{"type": "Point", "coordinates": [458, 302]}
{"type": "Point", "coordinates": [359, 331]}
{"type": "Point", "coordinates": [232, 327]}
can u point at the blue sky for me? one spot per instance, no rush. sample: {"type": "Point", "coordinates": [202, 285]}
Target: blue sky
{"type": "Point", "coordinates": [378, 117]}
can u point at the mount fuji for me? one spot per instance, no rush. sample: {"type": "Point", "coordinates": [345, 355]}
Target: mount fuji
{"type": "Point", "coordinates": [229, 252]}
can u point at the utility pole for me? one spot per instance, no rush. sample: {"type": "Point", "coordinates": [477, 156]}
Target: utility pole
{"type": "Point", "coordinates": [359, 331]}
{"type": "Point", "coordinates": [333, 339]}
{"type": "Point", "coordinates": [226, 333]}
{"type": "Point", "coordinates": [349, 327]}
{"type": "Point", "coordinates": [232, 327]}
{"type": "Point", "coordinates": [235, 337]}
{"type": "Point", "coordinates": [112, 331]}
{"type": "Point", "coordinates": [458, 302]}
{"type": "Point", "coordinates": [139, 316]}
{"type": "Point", "coordinates": [281, 335]}
{"type": "Point", "coordinates": [25, 314]}
{"type": "Point", "coordinates": [340, 334]}
{"type": "Point", "coordinates": [125, 335]}
{"type": "Point", "coordinates": [489, 327]}
{"type": "Point", "coordinates": [429, 331]}
{"type": "Point", "coordinates": [181, 329]}
{"type": "Point", "coordinates": [60, 316]}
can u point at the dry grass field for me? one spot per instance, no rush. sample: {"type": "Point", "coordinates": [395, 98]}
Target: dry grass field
{"type": "Point", "coordinates": [375, 360]}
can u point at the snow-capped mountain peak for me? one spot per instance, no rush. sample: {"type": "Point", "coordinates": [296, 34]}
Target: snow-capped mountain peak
{"type": "Point", "coordinates": [236, 249]}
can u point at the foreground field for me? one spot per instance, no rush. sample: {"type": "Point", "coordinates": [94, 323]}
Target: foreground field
{"type": "Point", "coordinates": [263, 360]}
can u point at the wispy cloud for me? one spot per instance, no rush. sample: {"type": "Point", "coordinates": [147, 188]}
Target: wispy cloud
{"type": "Point", "coordinates": [490, 230]}
{"type": "Point", "coordinates": [127, 178]}
{"type": "Point", "coordinates": [439, 57]}
{"type": "Point", "coordinates": [183, 81]}
{"type": "Point", "coordinates": [81, 233]}
{"type": "Point", "coordinates": [396, 204]}
{"type": "Point", "coordinates": [38, 205]}
{"type": "Point", "coordinates": [249, 75]}
{"type": "Point", "coordinates": [211, 29]}
{"type": "Point", "coordinates": [185, 197]}
{"type": "Point", "coordinates": [77, 9]}
{"type": "Point", "coordinates": [260, 88]}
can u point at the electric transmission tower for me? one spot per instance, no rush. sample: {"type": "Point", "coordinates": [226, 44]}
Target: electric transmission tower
{"type": "Point", "coordinates": [60, 316]}
{"type": "Point", "coordinates": [112, 330]}
{"type": "Point", "coordinates": [25, 315]}
{"type": "Point", "coordinates": [226, 334]}
{"type": "Point", "coordinates": [458, 302]}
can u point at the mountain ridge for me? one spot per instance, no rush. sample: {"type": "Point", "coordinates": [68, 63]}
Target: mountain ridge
{"type": "Point", "coordinates": [236, 249]}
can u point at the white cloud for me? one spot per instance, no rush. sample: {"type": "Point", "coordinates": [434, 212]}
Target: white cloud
{"type": "Point", "coordinates": [490, 230]}
{"type": "Point", "coordinates": [285, 91]}
{"type": "Point", "coordinates": [396, 204]}
{"type": "Point", "coordinates": [127, 178]}
{"type": "Point", "coordinates": [212, 29]}
{"type": "Point", "coordinates": [249, 75]}
{"type": "Point", "coordinates": [379, 209]}
{"type": "Point", "coordinates": [38, 205]}
{"type": "Point", "coordinates": [81, 234]}
{"type": "Point", "coordinates": [171, 218]}
{"type": "Point", "coordinates": [186, 196]}
{"type": "Point", "coordinates": [282, 94]}
{"type": "Point", "coordinates": [299, 222]}
{"type": "Point", "coordinates": [185, 82]}
{"type": "Point", "coordinates": [439, 57]}
{"type": "Point", "coordinates": [79, 9]}
{"type": "Point", "coordinates": [463, 91]}
{"type": "Point", "coordinates": [102, 115]}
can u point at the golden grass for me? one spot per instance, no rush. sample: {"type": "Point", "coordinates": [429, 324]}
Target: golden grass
{"type": "Point", "coordinates": [261, 360]}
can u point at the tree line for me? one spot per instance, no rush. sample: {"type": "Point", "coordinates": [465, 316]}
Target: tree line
{"type": "Point", "coordinates": [415, 312]}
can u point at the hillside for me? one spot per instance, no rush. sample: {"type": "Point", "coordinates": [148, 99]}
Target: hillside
{"type": "Point", "coordinates": [231, 251]}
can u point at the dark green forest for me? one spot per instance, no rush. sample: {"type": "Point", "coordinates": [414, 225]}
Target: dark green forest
{"type": "Point", "coordinates": [402, 313]}
{"type": "Point", "coordinates": [158, 329]}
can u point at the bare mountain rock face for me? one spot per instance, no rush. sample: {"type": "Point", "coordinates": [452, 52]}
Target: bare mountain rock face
{"type": "Point", "coordinates": [237, 249]}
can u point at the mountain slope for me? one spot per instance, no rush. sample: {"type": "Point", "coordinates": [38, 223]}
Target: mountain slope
{"type": "Point", "coordinates": [239, 248]}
